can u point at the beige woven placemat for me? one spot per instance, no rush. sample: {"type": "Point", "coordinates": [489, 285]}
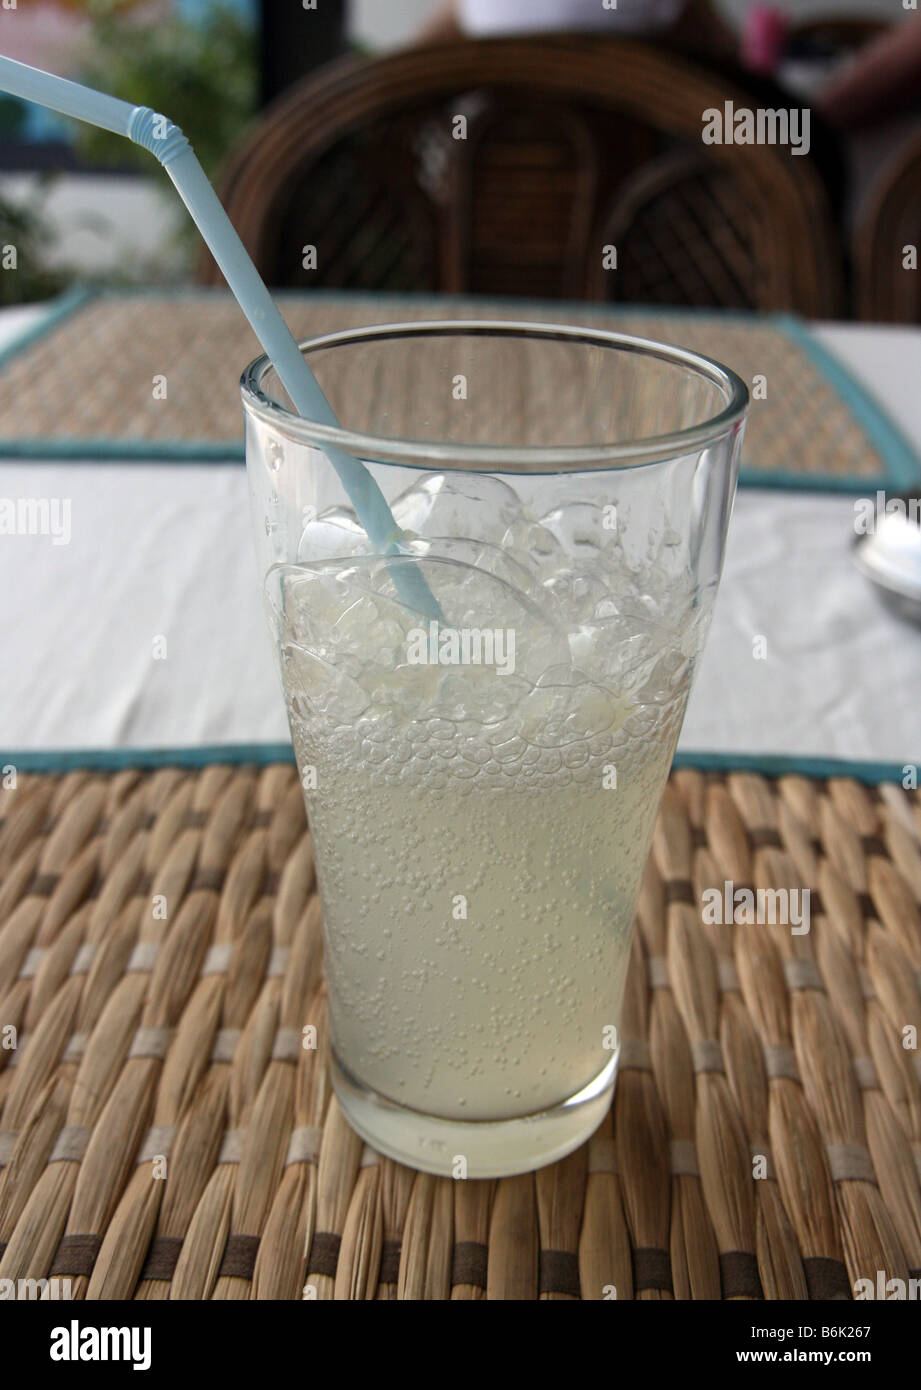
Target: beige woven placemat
{"type": "Point", "coordinates": [163, 1133]}
{"type": "Point", "coordinates": [92, 376]}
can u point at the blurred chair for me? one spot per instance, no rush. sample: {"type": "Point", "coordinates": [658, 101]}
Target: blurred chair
{"type": "Point", "coordinates": [571, 145]}
{"type": "Point", "coordinates": [888, 291]}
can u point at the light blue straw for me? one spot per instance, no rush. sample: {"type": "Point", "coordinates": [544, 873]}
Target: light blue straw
{"type": "Point", "coordinates": [167, 142]}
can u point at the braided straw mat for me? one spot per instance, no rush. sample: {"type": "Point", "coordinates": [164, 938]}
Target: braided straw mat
{"type": "Point", "coordinates": [165, 1134]}
{"type": "Point", "coordinates": [90, 378]}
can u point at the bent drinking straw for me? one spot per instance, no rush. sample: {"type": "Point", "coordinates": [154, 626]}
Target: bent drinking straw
{"type": "Point", "coordinates": [167, 142]}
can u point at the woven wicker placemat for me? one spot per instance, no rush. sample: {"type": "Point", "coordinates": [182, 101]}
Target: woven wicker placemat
{"type": "Point", "coordinates": [164, 1133]}
{"type": "Point", "coordinates": [88, 382]}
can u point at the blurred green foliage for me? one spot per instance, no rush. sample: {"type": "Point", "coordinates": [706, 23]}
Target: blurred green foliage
{"type": "Point", "coordinates": [24, 229]}
{"type": "Point", "coordinates": [12, 115]}
{"type": "Point", "coordinates": [202, 74]}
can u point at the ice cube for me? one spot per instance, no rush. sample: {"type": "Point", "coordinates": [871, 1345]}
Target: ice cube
{"type": "Point", "coordinates": [607, 648]}
{"type": "Point", "coordinates": [475, 695]}
{"type": "Point", "coordinates": [334, 534]}
{"type": "Point", "coordinates": [314, 687]}
{"type": "Point", "coordinates": [665, 680]}
{"type": "Point", "coordinates": [577, 593]}
{"type": "Point", "coordinates": [458, 504]}
{"type": "Point", "coordinates": [304, 602]}
{"type": "Point", "coordinates": [534, 547]}
{"type": "Point", "coordinates": [566, 706]}
{"type": "Point", "coordinates": [479, 555]}
{"type": "Point", "coordinates": [347, 614]}
{"type": "Point", "coordinates": [524, 636]}
{"type": "Point", "coordinates": [586, 531]}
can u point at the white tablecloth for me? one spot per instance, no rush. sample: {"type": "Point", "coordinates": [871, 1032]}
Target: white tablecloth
{"type": "Point", "coordinates": [165, 551]}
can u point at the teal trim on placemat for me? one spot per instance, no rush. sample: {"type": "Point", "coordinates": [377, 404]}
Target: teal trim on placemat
{"type": "Point", "coordinates": [116, 759]}
{"type": "Point", "coordinates": [882, 431]}
{"type": "Point", "coordinates": [89, 450]}
{"type": "Point", "coordinates": [58, 310]}
{"type": "Point", "coordinates": [903, 465]}
{"type": "Point", "coordinates": [109, 451]}
{"type": "Point", "coordinates": [261, 754]}
{"type": "Point", "coordinates": [792, 765]}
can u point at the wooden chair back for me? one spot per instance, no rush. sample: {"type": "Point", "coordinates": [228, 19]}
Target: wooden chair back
{"type": "Point", "coordinates": [516, 167]}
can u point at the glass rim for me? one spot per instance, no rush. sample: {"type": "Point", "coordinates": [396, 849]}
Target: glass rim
{"type": "Point", "coordinates": [390, 449]}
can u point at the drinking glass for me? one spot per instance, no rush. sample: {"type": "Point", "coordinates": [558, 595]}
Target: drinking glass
{"type": "Point", "coordinates": [483, 750]}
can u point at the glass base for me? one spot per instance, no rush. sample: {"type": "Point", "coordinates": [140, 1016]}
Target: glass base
{"type": "Point", "coordinates": [491, 1148]}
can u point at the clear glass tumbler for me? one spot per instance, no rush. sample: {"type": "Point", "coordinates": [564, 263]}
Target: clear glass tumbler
{"type": "Point", "coordinates": [484, 703]}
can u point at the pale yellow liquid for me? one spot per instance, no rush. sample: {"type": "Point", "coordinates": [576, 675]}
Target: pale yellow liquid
{"type": "Point", "coordinates": [509, 1009]}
